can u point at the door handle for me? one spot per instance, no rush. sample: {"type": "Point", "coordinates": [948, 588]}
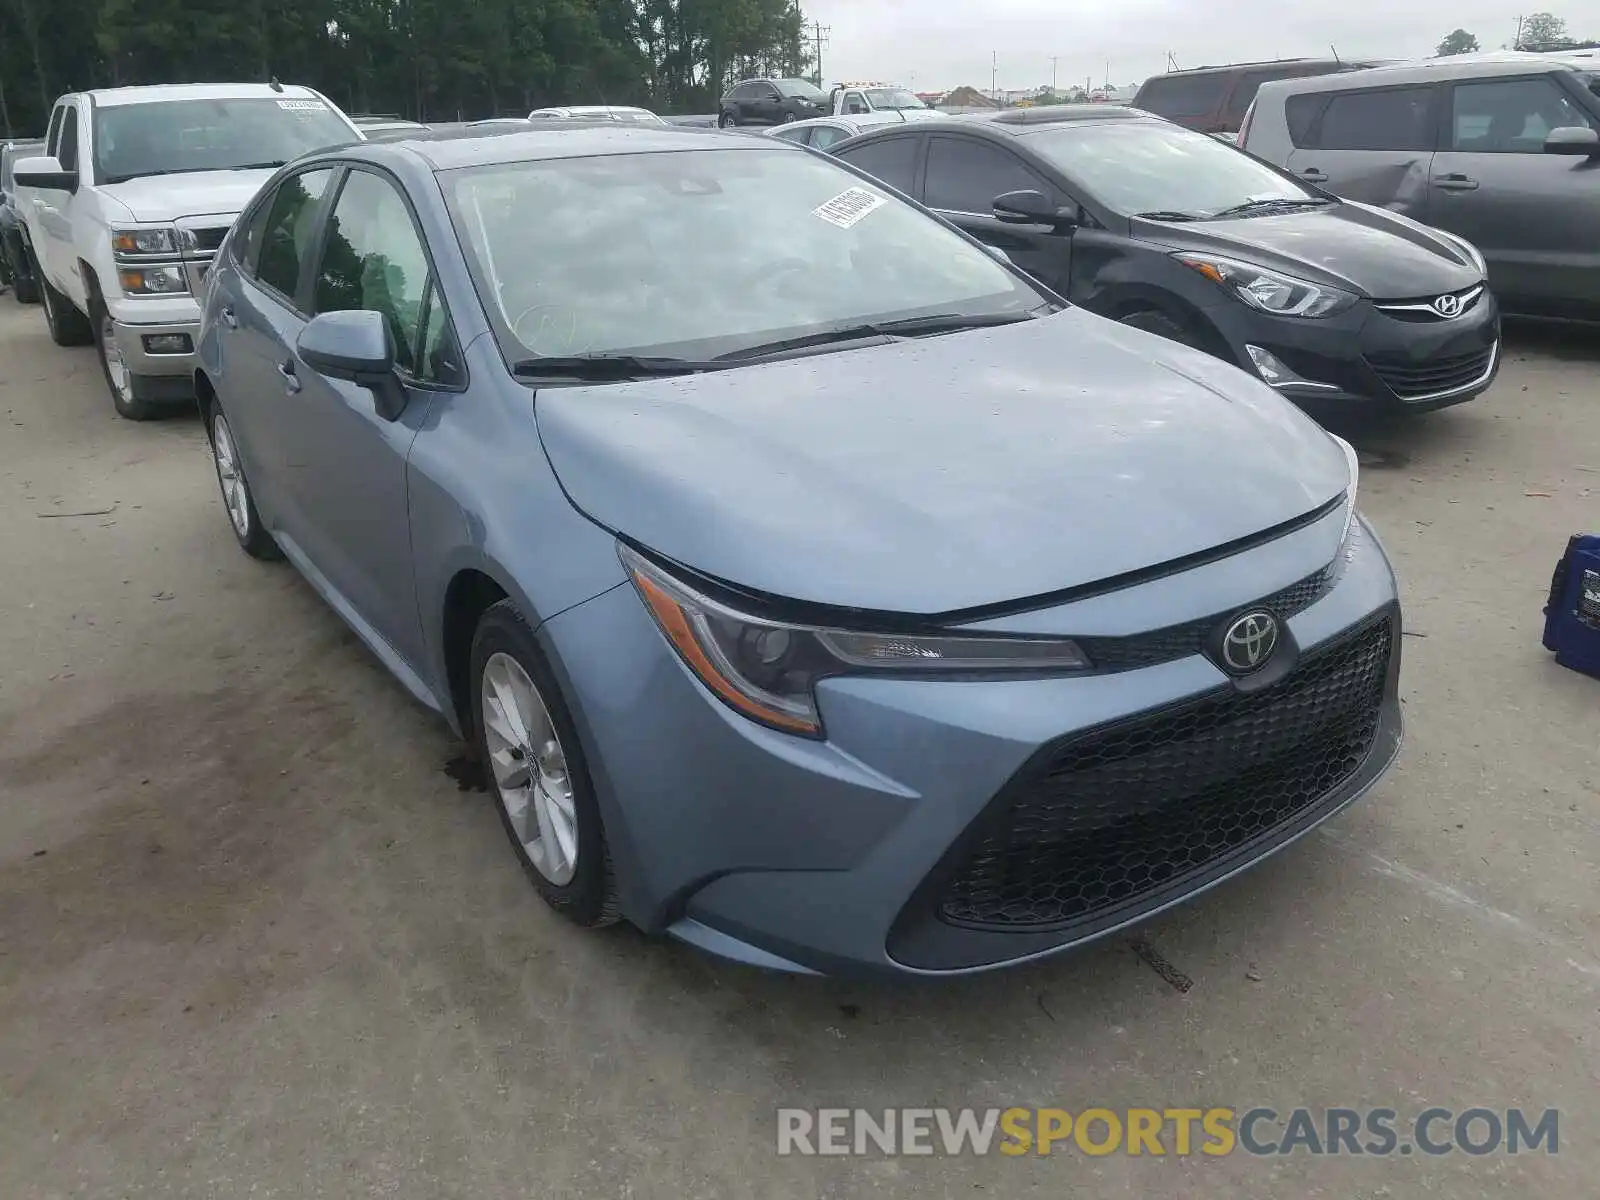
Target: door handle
{"type": "Point", "coordinates": [1312, 175]}
{"type": "Point", "coordinates": [1455, 183]}
{"type": "Point", "coordinates": [228, 319]}
{"type": "Point", "coordinates": [291, 381]}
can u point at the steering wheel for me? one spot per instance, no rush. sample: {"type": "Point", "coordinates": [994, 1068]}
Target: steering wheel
{"type": "Point", "coordinates": [551, 330]}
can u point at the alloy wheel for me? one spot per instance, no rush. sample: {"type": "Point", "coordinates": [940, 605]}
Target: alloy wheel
{"type": "Point", "coordinates": [530, 770]}
{"type": "Point", "coordinates": [117, 373]}
{"type": "Point", "coordinates": [235, 492]}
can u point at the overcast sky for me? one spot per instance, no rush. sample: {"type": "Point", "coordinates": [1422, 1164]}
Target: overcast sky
{"type": "Point", "coordinates": [939, 44]}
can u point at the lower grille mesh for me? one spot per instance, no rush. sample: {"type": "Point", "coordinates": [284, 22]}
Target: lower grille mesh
{"type": "Point", "coordinates": [1142, 805]}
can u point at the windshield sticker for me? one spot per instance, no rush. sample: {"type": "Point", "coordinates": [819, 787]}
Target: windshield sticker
{"type": "Point", "coordinates": [303, 105]}
{"type": "Point", "coordinates": [848, 207]}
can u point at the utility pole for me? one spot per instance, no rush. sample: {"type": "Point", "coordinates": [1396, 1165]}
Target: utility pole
{"type": "Point", "coordinates": [1517, 45]}
{"type": "Point", "coordinates": [819, 39]}
{"type": "Point", "coordinates": [1053, 61]}
{"type": "Point", "coordinates": [994, 75]}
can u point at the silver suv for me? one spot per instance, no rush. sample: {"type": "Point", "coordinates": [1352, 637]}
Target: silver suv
{"type": "Point", "coordinates": [1504, 152]}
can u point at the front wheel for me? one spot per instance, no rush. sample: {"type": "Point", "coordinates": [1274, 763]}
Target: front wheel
{"type": "Point", "coordinates": [523, 733]}
{"type": "Point", "coordinates": [1153, 320]}
{"type": "Point", "coordinates": [120, 381]}
{"type": "Point", "coordinates": [724, 120]}
{"type": "Point", "coordinates": [253, 539]}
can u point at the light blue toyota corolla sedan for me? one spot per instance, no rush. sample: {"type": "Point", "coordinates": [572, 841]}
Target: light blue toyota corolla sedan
{"type": "Point", "coordinates": [812, 586]}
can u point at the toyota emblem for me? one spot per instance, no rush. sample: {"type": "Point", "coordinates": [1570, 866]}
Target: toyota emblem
{"type": "Point", "coordinates": [1447, 306]}
{"type": "Point", "coordinates": [1249, 642]}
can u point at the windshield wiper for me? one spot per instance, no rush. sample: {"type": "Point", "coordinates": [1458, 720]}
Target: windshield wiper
{"type": "Point", "coordinates": [1164, 215]}
{"type": "Point", "coordinates": [607, 367]}
{"type": "Point", "coordinates": [1273, 204]}
{"type": "Point", "coordinates": [905, 327]}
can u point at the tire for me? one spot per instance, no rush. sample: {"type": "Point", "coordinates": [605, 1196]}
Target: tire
{"type": "Point", "coordinates": [68, 326]}
{"type": "Point", "coordinates": [25, 288]}
{"type": "Point", "coordinates": [724, 120]}
{"type": "Point", "coordinates": [530, 735]}
{"type": "Point", "coordinates": [237, 501]}
{"type": "Point", "coordinates": [122, 383]}
{"type": "Point", "coordinates": [1153, 320]}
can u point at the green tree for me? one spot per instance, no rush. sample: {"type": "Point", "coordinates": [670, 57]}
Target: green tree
{"type": "Point", "coordinates": [1541, 30]}
{"type": "Point", "coordinates": [1458, 41]}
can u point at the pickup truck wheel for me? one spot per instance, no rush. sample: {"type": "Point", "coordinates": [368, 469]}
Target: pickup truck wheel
{"type": "Point", "coordinates": [122, 382]}
{"type": "Point", "coordinates": [68, 326]}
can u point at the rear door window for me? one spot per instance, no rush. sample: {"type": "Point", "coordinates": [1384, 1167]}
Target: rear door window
{"type": "Point", "coordinates": [1391, 119]}
{"type": "Point", "coordinates": [1185, 95]}
{"type": "Point", "coordinates": [1510, 116]}
{"type": "Point", "coordinates": [891, 159]}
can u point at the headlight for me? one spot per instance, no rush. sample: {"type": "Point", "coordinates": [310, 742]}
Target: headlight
{"type": "Point", "coordinates": [153, 281]}
{"type": "Point", "coordinates": [1269, 291]}
{"type": "Point", "coordinates": [768, 670]}
{"type": "Point", "coordinates": [1351, 457]}
{"type": "Point", "coordinates": [126, 242]}
{"type": "Point", "coordinates": [1474, 255]}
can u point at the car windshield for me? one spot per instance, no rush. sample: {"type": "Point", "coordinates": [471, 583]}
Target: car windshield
{"type": "Point", "coordinates": [802, 88]}
{"type": "Point", "coordinates": [1135, 167]}
{"type": "Point", "coordinates": [695, 254]}
{"type": "Point", "coordinates": [892, 98]}
{"type": "Point", "coordinates": [172, 136]}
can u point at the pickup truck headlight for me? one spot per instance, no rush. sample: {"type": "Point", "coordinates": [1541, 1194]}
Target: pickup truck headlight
{"type": "Point", "coordinates": [1269, 291]}
{"type": "Point", "coordinates": [165, 280]}
{"type": "Point", "coordinates": [143, 242]}
{"type": "Point", "coordinates": [768, 670]}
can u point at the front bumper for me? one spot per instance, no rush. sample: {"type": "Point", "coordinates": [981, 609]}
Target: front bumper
{"type": "Point", "coordinates": [149, 349]}
{"type": "Point", "coordinates": [1370, 357]}
{"type": "Point", "coordinates": [832, 856]}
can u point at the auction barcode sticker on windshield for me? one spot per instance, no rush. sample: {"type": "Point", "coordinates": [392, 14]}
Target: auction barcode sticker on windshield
{"type": "Point", "coordinates": [303, 105]}
{"type": "Point", "coordinates": [845, 209]}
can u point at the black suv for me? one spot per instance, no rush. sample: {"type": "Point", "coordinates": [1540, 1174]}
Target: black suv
{"type": "Point", "coordinates": [14, 265]}
{"type": "Point", "coordinates": [1215, 99]}
{"type": "Point", "coordinates": [771, 102]}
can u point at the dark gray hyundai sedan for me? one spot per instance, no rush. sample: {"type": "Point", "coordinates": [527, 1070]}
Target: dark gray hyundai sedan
{"type": "Point", "coordinates": [812, 586]}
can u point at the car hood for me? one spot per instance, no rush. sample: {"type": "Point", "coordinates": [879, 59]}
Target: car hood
{"type": "Point", "coordinates": [197, 194]}
{"type": "Point", "coordinates": [1365, 250]}
{"type": "Point", "coordinates": [946, 473]}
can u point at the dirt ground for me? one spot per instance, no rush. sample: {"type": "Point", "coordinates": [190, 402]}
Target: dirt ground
{"type": "Point", "coordinates": [254, 942]}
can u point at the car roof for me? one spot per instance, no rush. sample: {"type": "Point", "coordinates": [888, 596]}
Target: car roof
{"type": "Point", "coordinates": [1425, 71]}
{"type": "Point", "coordinates": [580, 110]}
{"type": "Point", "coordinates": [448, 150]}
{"type": "Point", "coordinates": [860, 120]}
{"type": "Point", "coordinates": [1015, 122]}
{"type": "Point", "coordinates": [1217, 68]}
{"type": "Point", "coordinates": [159, 93]}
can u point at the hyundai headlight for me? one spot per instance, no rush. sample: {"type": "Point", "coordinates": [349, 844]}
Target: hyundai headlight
{"type": "Point", "coordinates": [143, 243]}
{"type": "Point", "coordinates": [1270, 291]}
{"type": "Point", "coordinates": [768, 670]}
{"type": "Point", "coordinates": [1474, 255]}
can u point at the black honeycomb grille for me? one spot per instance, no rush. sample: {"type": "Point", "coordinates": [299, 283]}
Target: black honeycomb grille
{"type": "Point", "coordinates": [1180, 641]}
{"type": "Point", "coordinates": [1140, 806]}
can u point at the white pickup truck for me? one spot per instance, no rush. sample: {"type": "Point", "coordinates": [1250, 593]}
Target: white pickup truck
{"type": "Point", "coordinates": [134, 194]}
{"type": "Point", "coordinates": [890, 99]}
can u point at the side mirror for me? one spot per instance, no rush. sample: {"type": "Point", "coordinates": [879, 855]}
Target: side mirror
{"type": "Point", "coordinates": [359, 348]}
{"type": "Point", "coordinates": [1577, 140]}
{"type": "Point", "coordinates": [44, 172]}
{"type": "Point", "coordinates": [1029, 207]}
